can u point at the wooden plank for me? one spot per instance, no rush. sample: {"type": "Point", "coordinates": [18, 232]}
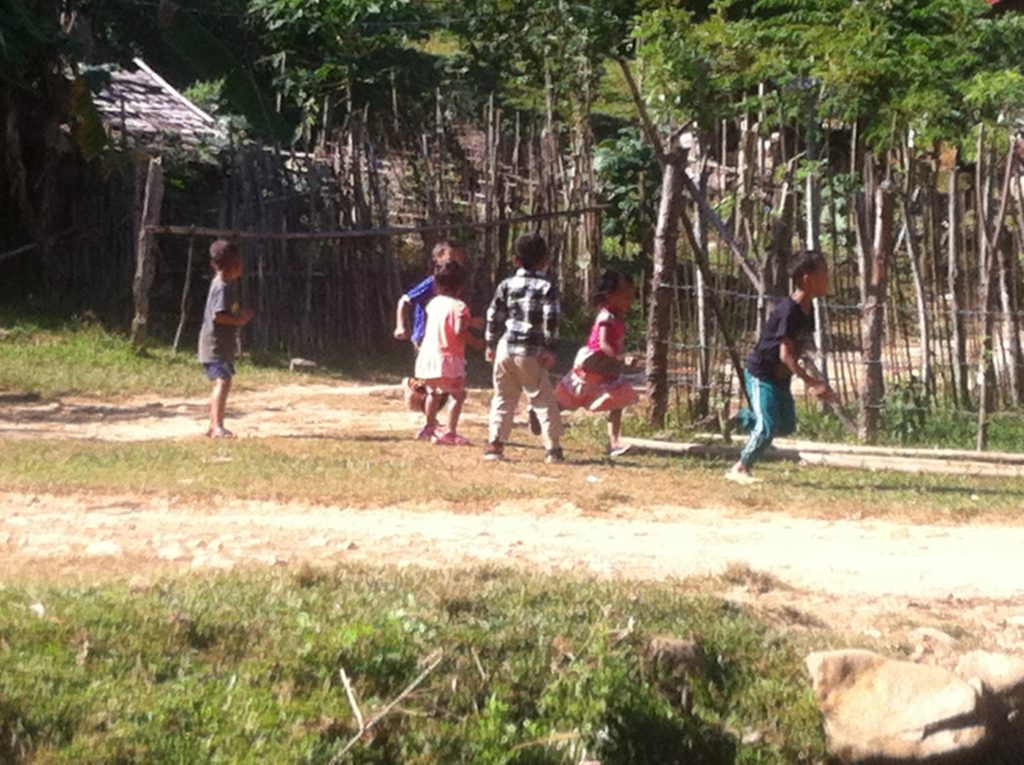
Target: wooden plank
{"type": "Point", "coordinates": [1002, 458]}
{"type": "Point", "coordinates": [920, 466]}
{"type": "Point", "coordinates": [997, 458]}
{"type": "Point", "coordinates": [858, 461]}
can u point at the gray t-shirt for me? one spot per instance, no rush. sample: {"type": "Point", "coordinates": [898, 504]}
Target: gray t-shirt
{"type": "Point", "coordinates": [217, 342]}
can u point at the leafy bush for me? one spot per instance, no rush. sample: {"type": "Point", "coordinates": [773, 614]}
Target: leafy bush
{"type": "Point", "coordinates": [247, 669]}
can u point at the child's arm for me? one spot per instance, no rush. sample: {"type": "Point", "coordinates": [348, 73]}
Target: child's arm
{"type": "Point", "coordinates": [422, 291]}
{"type": "Point", "coordinates": [464, 325]}
{"type": "Point", "coordinates": [607, 346]}
{"type": "Point", "coordinates": [240, 319]}
{"type": "Point", "coordinates": [402, 318]}
{"type": "Point", "coordinates": [494, 327]}
{"type": "Point", "coordinates": [788, 356]}
{"type": "Point", "coordinates": [551, 313]}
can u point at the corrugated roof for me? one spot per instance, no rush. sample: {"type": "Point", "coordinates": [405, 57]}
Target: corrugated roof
{"type": "Point", "coordinates": [147, 108]}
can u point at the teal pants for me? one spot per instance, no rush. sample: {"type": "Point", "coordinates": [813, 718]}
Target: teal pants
{"type": "Point", "coordinates": [772, 413]}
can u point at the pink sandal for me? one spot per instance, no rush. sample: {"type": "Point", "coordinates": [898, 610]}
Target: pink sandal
{"type": "Point", "coordinates": [452, 439]}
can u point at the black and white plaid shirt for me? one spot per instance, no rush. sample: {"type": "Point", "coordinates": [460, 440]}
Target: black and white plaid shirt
{"type": "Point", "coordinates": [525, 309]}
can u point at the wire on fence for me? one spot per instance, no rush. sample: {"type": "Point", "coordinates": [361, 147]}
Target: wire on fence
{"type": "Point", "coordinates": [364, 233]}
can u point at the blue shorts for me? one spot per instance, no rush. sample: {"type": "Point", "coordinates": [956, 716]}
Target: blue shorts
{"type": "Point", "coordinates": [219, 370]}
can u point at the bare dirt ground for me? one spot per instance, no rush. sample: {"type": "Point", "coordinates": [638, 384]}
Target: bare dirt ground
{"type": "Point", "coordinates": [877, 580]}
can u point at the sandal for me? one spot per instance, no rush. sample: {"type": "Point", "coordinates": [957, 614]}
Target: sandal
{"type": "Point", "coordinates": [452, 439]}
{"type": "Point", "coordinates": [428, 433]}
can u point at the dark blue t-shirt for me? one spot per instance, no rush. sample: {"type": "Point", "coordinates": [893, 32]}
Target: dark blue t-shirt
{"type": "Point", "coordinates": [419, 296]}
{"type": "Point", "coordinates": [787, 320]}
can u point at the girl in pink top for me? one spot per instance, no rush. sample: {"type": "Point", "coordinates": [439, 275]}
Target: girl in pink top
{"type": "Point", "coordinates": [596, 382]}
{"type": "Point", "coordinates": [441, 362]}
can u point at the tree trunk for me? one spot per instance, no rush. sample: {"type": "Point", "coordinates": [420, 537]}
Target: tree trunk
{"type": "Point", "coordinates": [917, 267]}
{"type": "Point", "coordinates": [700, 254]}
{"type": "Point", "coordinates": [988, 244]}
{"type": "Point", "coordinates": [873, 385]}
{"type": "Point", "coordinates": [659, 328]}
{"type": "Point", "coordinates": [1008, 273]}
{"type": "Point", "coordinates": [955, 286]}
{"type": "Point", "coordinates": [812, 213]}
{"type": "Point", "coordinates": [704, 373]}
{"type": "Point", "coordinates": [144, 257]}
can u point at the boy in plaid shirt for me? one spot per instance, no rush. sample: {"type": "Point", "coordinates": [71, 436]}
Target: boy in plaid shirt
{"type": "Point", "coordinates": [520, 336]}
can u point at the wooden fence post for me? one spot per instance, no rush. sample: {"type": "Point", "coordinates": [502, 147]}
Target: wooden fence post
{"type": "Point", "coordinates": [144, 265]}
{"type": "Point", "coordinates": [659, 325]}
{"type": "Point", "coordinates": [873, 385]}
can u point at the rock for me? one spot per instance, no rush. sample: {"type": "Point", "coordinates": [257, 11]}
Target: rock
{"type": "Point", "coordinates": [932, 645]}
{"type": "Point", "coordinates": [171, 552]}
{"type": "Point", "coordinates": [302, 365]}
{"type": "Point", "coordinates": [931, 635]}
{"type": "Point", "coordinates": [879, 710]}
{"type": "Point", "coordinates": [677, 655]}
{"type": "Point", "coordinates": [1001, 673]}
{"type": "Point", "coordinates": [106, 547]}
{"type": "Point", "coordinates": [212, 560]}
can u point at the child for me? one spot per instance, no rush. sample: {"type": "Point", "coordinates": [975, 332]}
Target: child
{"type": "Point", "coordinates": [218, 337]}
{"type": "Point", "coordinates": [596, 381]}
{"type": "Point", "coordinates": [417, 298]}
{"type": "Point", "coordinates": [441, 362]}
{"type": "Point", "coordinates": [521, 335]}
{"type": "Point", "coordinates": [786, 335]}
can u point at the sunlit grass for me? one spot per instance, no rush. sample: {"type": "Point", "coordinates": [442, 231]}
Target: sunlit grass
{"type": "Point", "coordinates": [383, 470]}
{"type": "Point", "coordinates": [247, 668]}
{"type": "Point", "coordinates": [77, 357]}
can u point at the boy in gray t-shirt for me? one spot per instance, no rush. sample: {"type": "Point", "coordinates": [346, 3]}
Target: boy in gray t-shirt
{"type": "Point", "coordinates": [218, 337]}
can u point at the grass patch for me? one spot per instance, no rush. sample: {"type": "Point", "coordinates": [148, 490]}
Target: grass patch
{"type": "Point", "coordinates": [375, 471]}
{"type": "Point", "coordinates": [245, 668]}
{"type": "Point", "coordinates": [79, 357]}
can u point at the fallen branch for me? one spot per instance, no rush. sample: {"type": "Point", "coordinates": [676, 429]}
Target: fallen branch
{"type": "Point", "coordinates": [434, 659]}
{"type": "Point", "coordinates": [352, 699]}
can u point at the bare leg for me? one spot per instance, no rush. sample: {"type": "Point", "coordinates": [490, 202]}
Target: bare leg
{"type": "Point", "coordinates": [614, 428]}
{"type": "Point", "coordinates": [458, 399]}
{"type": "Point", "coordinates": [219, 403]}
{"type": "Point", "coordinates": [432, 407]}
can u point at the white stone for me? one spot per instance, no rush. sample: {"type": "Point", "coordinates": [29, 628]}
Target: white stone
{"type": "Point", "coordinates": [106, 547]}
{"type": "Point", "coordinates": [171, 552]}
{"type": "Point", "coordinates": [932, 635]}
{"type": "Point", "coordinates": [1001, 673]}
{"type": "Point", "coordinates": [877, 709]}
{"type": "Point", "coordinates": [213, 561]}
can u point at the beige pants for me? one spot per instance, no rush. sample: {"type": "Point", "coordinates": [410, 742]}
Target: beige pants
{"type": "Point", "coordinates": [514, 375]}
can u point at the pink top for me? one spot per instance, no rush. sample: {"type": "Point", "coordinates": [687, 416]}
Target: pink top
{"type": "Point", "coordinates": [443, 352]}
{"type": "Point", "coordinates": [616, 331]}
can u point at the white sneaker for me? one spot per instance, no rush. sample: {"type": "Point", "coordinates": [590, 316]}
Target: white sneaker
{"type": "Point", "coordinates": [744, 479]}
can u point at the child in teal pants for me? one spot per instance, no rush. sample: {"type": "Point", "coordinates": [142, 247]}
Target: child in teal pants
{"type": "Point", "coordinates": [774, 362]}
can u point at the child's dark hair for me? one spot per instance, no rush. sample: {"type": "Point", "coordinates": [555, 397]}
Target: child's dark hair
{"type": "Point", "coordinates": [450, 276]}
{"type": "Point", "coordinates": [446, 249]}
{"type": "Point", "coordinates": [609, 282]}
{"type": "Point", "coordinates": [224, 252]}
{"type": "Point", "coordinates": [531, 250]}
{"type": "Point", "coordinates": [804, 263]}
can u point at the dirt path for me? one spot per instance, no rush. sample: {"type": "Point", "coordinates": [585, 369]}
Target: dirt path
{"type": "Point", "coordinates": [875, 578]}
